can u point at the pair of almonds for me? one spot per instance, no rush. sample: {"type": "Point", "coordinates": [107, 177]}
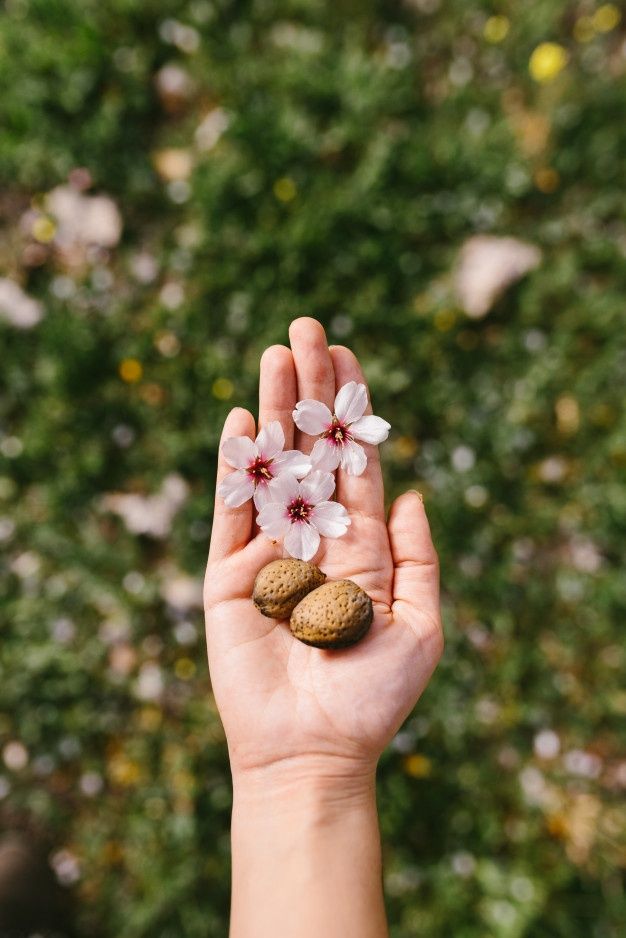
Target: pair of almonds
{"type": "Point", "coordinates": [326, 615]}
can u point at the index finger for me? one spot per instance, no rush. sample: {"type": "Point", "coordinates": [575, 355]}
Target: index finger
{"type": "Point", "coordinates": [314, 369]}
{"type": "Point", "coordinates": [232, 527]}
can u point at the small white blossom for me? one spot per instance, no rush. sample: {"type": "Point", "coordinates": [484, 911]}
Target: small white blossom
{"type": "Point", "coordinates": [257, 462]}
{"type": "Point", "coordinates": [340, 430]}
{"type": "Point", "coordinates": [300, 512]}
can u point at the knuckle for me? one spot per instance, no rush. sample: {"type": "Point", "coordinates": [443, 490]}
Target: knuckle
{"type": "Point", "coordinates": [318, 375]}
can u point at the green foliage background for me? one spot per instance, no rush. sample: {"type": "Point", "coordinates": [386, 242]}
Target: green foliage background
{"type": "Point", "coordinates": [365, 142]}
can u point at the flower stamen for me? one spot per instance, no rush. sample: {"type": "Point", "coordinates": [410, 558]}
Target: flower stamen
{"type": "Point", "coordinates": [337, 432]}
{"type": "Point", "coordinates": [299, 510]}
{"type": "Point", "coordinates": [260, 470]}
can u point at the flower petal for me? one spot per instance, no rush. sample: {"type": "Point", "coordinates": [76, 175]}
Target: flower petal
{"type": "Point", "coordinates": [370, 429]}
{"type": "Point", "coordinates": [331, 519]}
{"type": "Point", "coordinates": [302, 541]}
{"type": "Point", "coordinates": [239, 451]}
{"type": "Point", "coordinates": [273, 520]}
{"type": "Point", "coordinates": [262, 495]}
{"type": "Point", "coordinates": [236, 488]}
{"type": "Point", "coordinates": [284, 488]}
{"type": "Point", "coordinates": [325, 455]}
{"type": "Point", "coordinates": [293, 461]}
{"type": "Point", "coordinates": [271, 440]}
{"type": "Point", "coordinates": [317, 487]}
{"type": "Point", "coordinates": [312, 417]}
{"type": "Point", "coordinates": [351, 402]}
{"type": "Point", "coordinates": [353, 458]}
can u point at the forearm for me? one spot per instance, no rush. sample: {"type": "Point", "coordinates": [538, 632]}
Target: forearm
{"type": "Point", "coordinates": [306, 856]}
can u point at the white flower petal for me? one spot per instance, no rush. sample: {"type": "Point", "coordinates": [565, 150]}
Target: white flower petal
{"type": "Point", "coordinates": [353, 458]}
{"type": "Point", "coordinates": [236, 488]}
{"type": "Point", "coordinates": [302, 541]}
{"type": "Point", "coordinates": [312, 417]}
{"type": "Point", "coordinates": [284, 488]}
{"type": "Point", "coordinates": [239, 451]}
{"type": "Point", "coordinates": [273, 520]}
{"type": "Point", "coordinates": [351, 402]}
{"type": "Point", "coordinates": [293, 461]}
{"type": "Point", "coordinates": [317, 487]}
{"type": "Point", "coordinates": [325, 455]}
{"type": "Point", "coordinates": [271, 440]}
{"type": "Point", "coordinates": [370, 429]}
{"type": "Point", "coordinates": [331, 519]}
{"type": "Point", "coordinates": [262, 495]}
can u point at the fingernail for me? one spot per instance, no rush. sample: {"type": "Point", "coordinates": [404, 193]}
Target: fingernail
{"type": "Point", "coordinates": [419, 495]}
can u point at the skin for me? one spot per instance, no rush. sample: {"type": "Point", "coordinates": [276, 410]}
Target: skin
{"type": "Point", "coordinates": [306, 727]}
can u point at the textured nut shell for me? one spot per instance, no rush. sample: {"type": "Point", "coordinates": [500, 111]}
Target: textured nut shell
{"type": "Point", "coordinates": [281, 585]}
{"type": "Point", "coordinates": [334, 615]}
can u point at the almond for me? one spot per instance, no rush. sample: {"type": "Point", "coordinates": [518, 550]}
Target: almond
{"type": "Point", "coordinates": [334, 615]}
{"type": "Point", "coordinates": [281, 585]}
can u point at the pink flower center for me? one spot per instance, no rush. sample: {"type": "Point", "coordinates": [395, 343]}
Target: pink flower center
{"type": "Point", "coordinates": [260, 470]}
{"type": "Point", "coordinates": [299, 510]}
{"type": "Point", "coordinates": [337, 433]}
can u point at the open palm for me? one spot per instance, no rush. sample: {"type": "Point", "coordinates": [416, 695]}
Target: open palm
{"type": "Point", "coordinates": [279, 699]}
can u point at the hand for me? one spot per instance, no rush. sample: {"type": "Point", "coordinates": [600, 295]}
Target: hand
{"type": "Point", "coordinates": [285, 705]}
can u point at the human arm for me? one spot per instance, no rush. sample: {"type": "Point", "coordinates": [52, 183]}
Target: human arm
{"type": "Point", "coordinates": [305, 727]}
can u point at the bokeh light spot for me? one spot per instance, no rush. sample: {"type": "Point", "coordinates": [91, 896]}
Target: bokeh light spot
{"type": "Point", "coordinates": [223, 389]}
{"type": "Point", "coordinates": [547, 61]}
{"type": "Point", "coordinates": [606, 17]}
{"type": "Point", "coordinates": [444, 320]}
{"type": "Point", "coordinates": [567, 414]}
{"type": "Point", "coordinates": [496, 28]}
{"type": "Point", "coordinates": [153, 394]}
{"type": "Point", "coordinates": [43, 229]}
{"type": "Point", "coordinates": [285, 189]}
{"type": "Point", "coordinates": [584, 30]}
{"type": "Point", "coordinates": [418, 766]}
{"type": "Point", "coordinates": [184, 669]}
{"type": "Point", "coordinates": [130, 370]}
{"type": "Point", "coordinates": [547, 179]}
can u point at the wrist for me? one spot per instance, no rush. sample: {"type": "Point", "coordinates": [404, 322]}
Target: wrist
{"type": "Point", "coordinates": [305, 783]}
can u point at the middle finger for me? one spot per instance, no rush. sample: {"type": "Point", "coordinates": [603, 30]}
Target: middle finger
{"type": "Point", "coordinates": [314, 369]}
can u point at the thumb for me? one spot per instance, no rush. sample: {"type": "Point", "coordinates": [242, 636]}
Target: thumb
{"type": "Point", "coordinates": [416, 565]}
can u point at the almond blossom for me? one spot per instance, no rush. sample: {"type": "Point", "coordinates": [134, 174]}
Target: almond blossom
{"type": "Point", "coordinates": [300, 512]}
{"type": "Point", "coordinates": [340, 430]}
{"type": "Point", "coordinates": [257, 462]}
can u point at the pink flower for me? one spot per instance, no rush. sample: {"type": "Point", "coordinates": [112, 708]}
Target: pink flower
{"type": "Point", "coordinates": [300, 512]}
{"type": "Point", "coordinates": [339, 431]}
{"type": "Point", "coordinates": [258, 462]}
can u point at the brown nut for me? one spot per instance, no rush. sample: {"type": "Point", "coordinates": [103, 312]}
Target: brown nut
{"type": "Point", "coordinates": [281, 584]}
{"type": "Point", "coordinates": [334, 615]}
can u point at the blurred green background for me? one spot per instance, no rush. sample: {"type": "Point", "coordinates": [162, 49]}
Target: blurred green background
{"type": "Point", "coordinates": [442, 185]}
